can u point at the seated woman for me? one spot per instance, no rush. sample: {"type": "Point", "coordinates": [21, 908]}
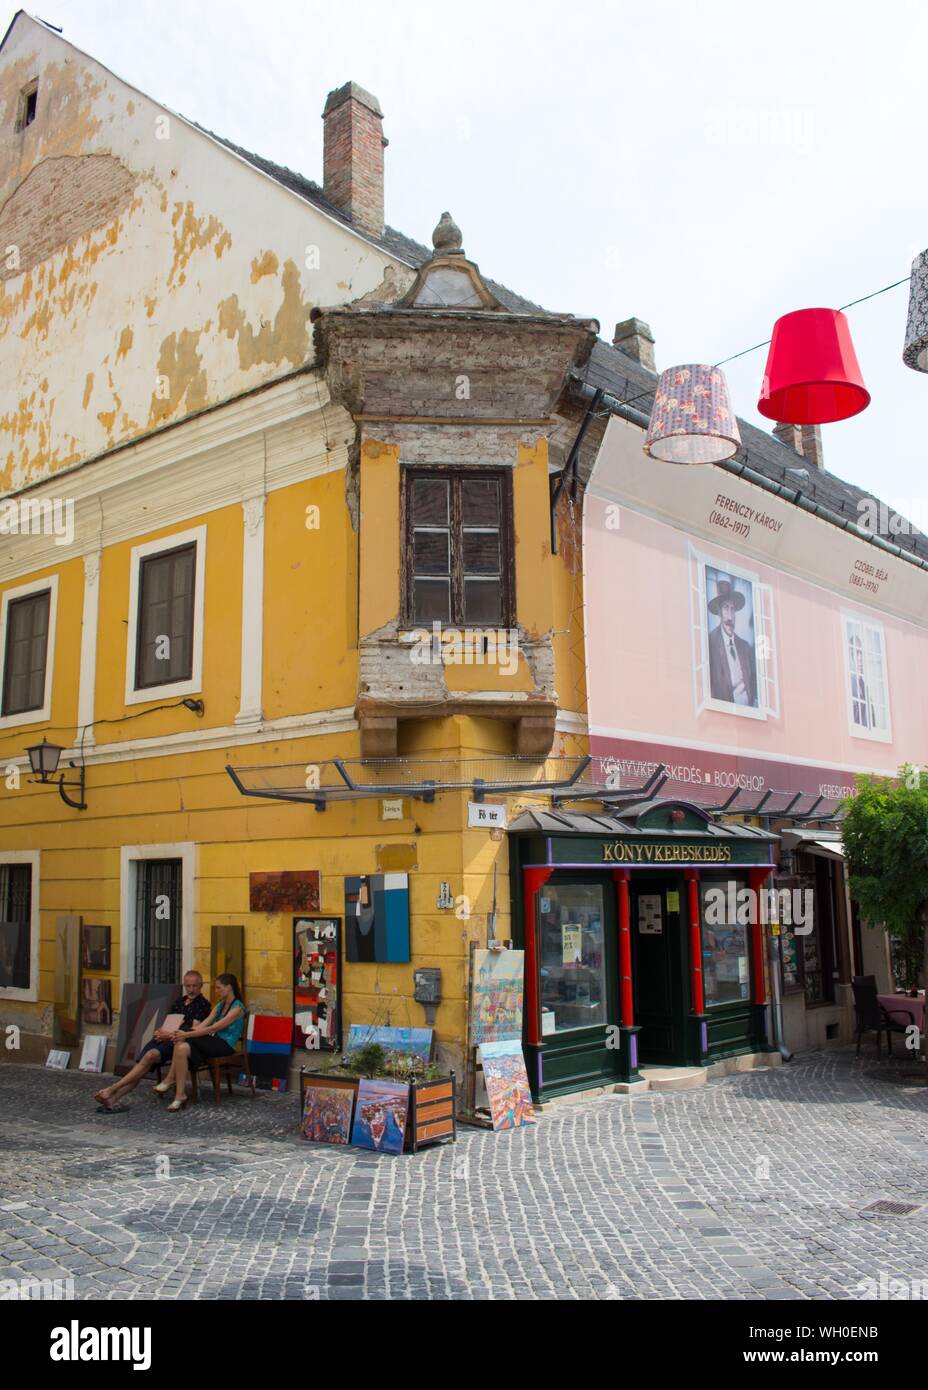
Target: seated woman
{"type": "Point", "coordinates": [194, 1006]}
{"type": "Point", "coordinates": [217, 1036]}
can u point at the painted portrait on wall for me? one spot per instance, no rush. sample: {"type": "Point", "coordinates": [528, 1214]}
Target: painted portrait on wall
{"type": "Point", "coordinates": [731, 637]}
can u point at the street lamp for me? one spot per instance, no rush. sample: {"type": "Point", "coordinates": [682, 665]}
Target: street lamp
{"type": "Point", "coordinates": [43, 760]}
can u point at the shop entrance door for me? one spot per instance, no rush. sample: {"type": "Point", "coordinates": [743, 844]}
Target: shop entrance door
{"type": "Point", "coordinates": [660, 960]}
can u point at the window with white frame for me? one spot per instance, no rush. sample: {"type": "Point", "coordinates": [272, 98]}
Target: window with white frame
{"type": "Point", "coordinates": [27, 635]}
{"type": "Point", "coordinates": [19, 924]}
{"type": "Point", "coordinates": [865, 671]}
{"type": "Point", "coordinates": [165, 643]}
{"type": "Point", "coordinates": [733, 639]}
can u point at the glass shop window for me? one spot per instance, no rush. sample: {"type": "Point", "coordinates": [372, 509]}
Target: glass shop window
{"type": "Point", "coordinates": [725, 959]}
{"type": "Point", "coordinates": [571, 957]}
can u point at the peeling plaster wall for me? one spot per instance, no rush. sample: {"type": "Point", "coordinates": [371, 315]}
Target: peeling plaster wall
{"type": "Point", "coordinates": [145, 271]}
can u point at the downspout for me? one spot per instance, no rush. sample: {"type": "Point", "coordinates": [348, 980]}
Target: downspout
{"type": "Point", "coordinates": [594, 400]}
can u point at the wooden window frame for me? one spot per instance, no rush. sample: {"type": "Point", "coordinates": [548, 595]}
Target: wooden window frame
{"type": "Point", "coordinates": [158, 558]}
{"type": "Point", "coordinates": [41, 713]}
{"type": "Point", "coordinates": [150, 550]}
{"type": "Point", "coordinates": [453, 474]}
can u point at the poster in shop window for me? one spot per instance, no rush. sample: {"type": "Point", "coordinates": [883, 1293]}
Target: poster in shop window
{"type": "Point", "coordinates": [650, 916]}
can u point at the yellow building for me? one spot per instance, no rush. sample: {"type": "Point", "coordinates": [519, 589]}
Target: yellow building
{"type": "Point", "coordinates": [255, 447]}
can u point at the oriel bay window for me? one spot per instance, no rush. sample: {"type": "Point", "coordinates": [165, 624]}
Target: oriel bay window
{"type": "Point", "coordinates": [458, 546]}
{"type": "Point", "coordinates": [166, 617]}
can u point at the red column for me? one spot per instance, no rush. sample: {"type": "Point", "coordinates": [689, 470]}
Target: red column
{"type": "Point", "coordinates": [621, 877]}
{"type": "Point", "coordinates": [696, 989]}
{"type": "Point", "coordinates": [758, 878]}
{"type": "Point", "coordinates": [532, 880]}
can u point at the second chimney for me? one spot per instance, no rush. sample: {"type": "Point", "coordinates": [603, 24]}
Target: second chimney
{"type": "Point", "coordinates": [352, 155]}
{"type": "Point", "coordinates": [635, 339]}
{"type": "Point", "coordinates": [805, 439]}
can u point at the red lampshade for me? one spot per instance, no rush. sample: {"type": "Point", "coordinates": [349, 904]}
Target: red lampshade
{"type": "Point", "coordinates": [812, 375]}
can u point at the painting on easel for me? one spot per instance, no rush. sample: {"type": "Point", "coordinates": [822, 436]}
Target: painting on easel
{"type": "Point", "coordinates": [496, 996]}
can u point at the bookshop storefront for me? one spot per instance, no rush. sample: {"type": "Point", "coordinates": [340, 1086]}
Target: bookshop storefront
{"type": "Point", "coordinates": [636, 945]}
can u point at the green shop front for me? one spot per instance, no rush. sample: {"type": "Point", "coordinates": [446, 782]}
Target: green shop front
{"type": "Point", "coordinates": [638, 949]}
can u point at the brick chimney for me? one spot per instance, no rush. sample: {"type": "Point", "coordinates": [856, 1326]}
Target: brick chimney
{"type": "Point", "coordinates": [805, 439]}
{"type": "Point", "coordinates": [635, 339]}
{"type": "Point", "coordinates": [352, 155]}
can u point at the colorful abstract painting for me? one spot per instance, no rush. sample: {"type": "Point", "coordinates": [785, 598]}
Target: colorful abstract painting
{"type": "Point", "coordinates": [411, 1042]}
{"type": "Point", "coordinates": [327, 1113]}
{"type": "Point", "coordinates": [316, 957]}
{"type": "Point", "coordinates": [507, 1084]}
{"type": "Point", "coordinates": [292, 890]}
{"type": "Point", "coordinates": [269, 1042]}
{"type": "Point", "coordinates": [380, 1115]}
{"type": "Point", "coordinates": [377, 917]}
{"type": "Point", "coordinates": [143, 1009]}
{"type": "Point", "coordinates": [496, 996]}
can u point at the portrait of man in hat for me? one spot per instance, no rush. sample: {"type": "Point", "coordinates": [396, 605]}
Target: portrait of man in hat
{"type": "Point", "coordinates": [732, 666]}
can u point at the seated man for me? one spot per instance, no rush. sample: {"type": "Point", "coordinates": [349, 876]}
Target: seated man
{"type": "Point", "coordinates": [195, 1007]}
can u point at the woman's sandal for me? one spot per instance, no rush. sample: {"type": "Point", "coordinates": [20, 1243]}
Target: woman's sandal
{"type": "Point", "coordinates": [162, 1087]}
{"type": "Point", "coordinates": [177, 1105]}
{"type": "Point", "coordinates": [106, 1107]}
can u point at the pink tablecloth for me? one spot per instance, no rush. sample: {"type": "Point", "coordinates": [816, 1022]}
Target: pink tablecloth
{"type": "Point", "coordinates": [900, 1003]}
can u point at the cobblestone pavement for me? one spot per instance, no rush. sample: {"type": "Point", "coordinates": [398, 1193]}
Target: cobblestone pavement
{"type": "Point", "coordinates": [750, 1188]}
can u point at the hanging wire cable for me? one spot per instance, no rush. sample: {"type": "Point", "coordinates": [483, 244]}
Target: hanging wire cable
{"type": "Point", "coordinates": [850, 305]}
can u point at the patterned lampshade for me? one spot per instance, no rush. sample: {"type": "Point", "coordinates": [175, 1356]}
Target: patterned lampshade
{"type": "Point", "coordinates": [915, 352]}
{"type": "Point", "coordinates": [692, 420]}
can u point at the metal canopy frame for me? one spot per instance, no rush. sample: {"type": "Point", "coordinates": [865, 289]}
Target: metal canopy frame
{"type": "Point", "coordinates": [426, 789]}
{"type": "Point", "coordinates": [614, 798]}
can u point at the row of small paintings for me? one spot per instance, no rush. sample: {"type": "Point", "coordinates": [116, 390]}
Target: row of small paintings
{"type": "Point", "coordinates": [370, 1113]}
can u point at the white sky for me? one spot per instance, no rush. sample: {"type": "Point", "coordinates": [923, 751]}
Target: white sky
{"type": "Point", "coordinates": [705, 166]}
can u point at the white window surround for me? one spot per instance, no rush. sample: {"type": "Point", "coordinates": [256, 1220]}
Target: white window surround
{"type": "Point", "coordinates": [193, 686]}
{"type": "Point", "coordinates": [31, 857]}
{"type": "Point", "coordinates": [37, 586]}
{"type": "Point", "coordinates": [764, 647]}
{"type": "Point", "coordinates": [866, 620]}
{"type": "Point", "coordinates": [129, 858]}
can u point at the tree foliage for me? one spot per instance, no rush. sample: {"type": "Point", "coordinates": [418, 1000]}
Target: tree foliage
{"type": "Point", "coordinates": [885, 835]}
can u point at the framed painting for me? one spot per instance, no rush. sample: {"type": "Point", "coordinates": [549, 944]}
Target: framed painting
{"type": "Point", "coordinates": [380, 1115]}
{"type": "Point", "coordinates": [95, 947]}
{"type": "Point", "coordinates": [327, 1108]}
{"type": "Point", "coordinates": [144, 1007]}
{"type": "Point", "coordinates": [96, 1001]}
{"type": "Point", "coordinates": [317, 949]}
{"type": "Point", "coordinates": [496, 996]}
{"type": "Point", "coordinates": [226, 953]}
{"type": "Point", "coordinates": [409, 1042]}
{"type": "Point", "coordinates": [507, 1085]}
{"type": "Point", "coordinates": [377, 918]}
{"type": "Point", "coordinates": [292, 890]}
{"type": "Point", "coordinates": [67, 980]}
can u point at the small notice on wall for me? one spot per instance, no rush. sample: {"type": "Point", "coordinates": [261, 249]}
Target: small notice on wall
{"type": "Point", "coordinates": [650, 916]}
{"type": "Point", "coordinates": [673, 901]}
{"type": "Point", "coordinates": [571, 944]}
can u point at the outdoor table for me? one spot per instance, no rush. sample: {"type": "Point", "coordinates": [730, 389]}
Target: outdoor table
{"type": "Point", "coordinates": [903, 1003]}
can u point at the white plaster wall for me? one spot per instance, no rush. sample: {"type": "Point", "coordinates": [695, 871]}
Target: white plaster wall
{"type": "Point", "coordinates": [198, 289]}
